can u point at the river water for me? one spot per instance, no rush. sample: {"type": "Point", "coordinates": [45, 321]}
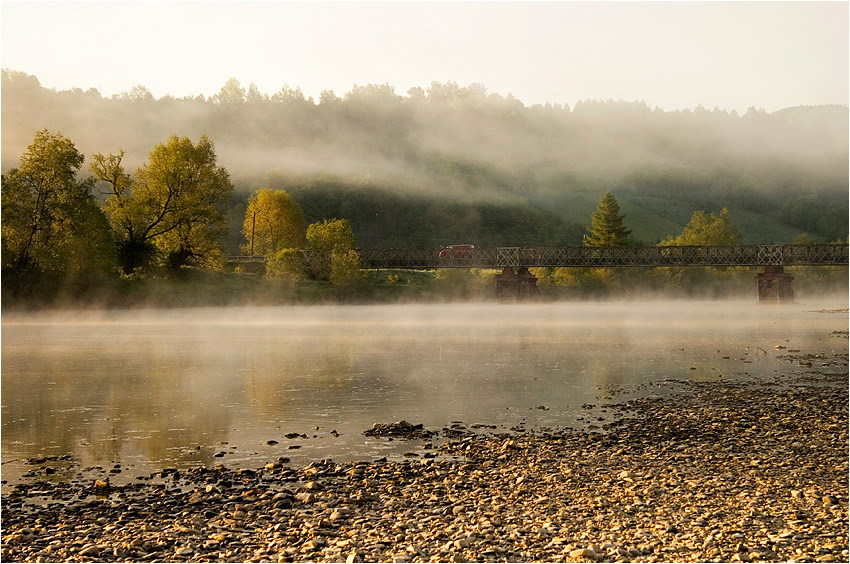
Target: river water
{"type": "Point", "coordinates": [153, 389]}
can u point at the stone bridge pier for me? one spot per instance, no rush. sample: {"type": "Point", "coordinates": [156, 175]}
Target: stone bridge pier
{"type": "Point", "coordinates": [516, 286]}
{"type": "Point", "coordinates": [774, 286]}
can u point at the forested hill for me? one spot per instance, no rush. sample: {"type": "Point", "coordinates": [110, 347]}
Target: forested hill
{"type": "Point", "coordinates": [451, 164]}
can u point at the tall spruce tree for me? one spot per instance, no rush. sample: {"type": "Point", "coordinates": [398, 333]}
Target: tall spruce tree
{"type": "Point", "coordinates": [606, 225]}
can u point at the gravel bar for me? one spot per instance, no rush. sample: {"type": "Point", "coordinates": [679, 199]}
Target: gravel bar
{"type": "Point", "coordinates": [721, 471]}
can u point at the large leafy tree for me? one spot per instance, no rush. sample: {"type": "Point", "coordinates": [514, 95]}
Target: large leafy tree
{"type": "Point", "coordinates": [172, 208]}
{"type": "Point", "coordinates": [707, 229]}
{"type": "Point", "coordinates": [332, 235]}
{"type": "Point", "coordinates": [334, 239]}
{"type": "Point", "coordinates": [606, 225]}
{"type": "Point", "coordinates": [52, 229]}
{"type": "Point", "coordinates": [273, 222]}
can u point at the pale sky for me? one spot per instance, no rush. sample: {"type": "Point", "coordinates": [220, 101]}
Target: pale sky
{"type": "Point", "coordinates": [673, 55]}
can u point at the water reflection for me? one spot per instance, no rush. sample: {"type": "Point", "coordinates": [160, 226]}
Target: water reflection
{"type": "Point", "coordinates": [176, 388]}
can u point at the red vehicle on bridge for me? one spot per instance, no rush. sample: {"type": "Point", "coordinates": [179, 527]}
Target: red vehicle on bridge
{"type": "Point", "coordinates": [457, 251]}
{"type": "Point", "coordinates": [457, 255]}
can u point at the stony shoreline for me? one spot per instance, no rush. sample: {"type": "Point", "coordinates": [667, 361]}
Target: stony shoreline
{"type": "Point", "coordinates": [726, 471]}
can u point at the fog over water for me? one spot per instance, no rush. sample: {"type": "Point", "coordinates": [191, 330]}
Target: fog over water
{"type": "Point", "coordinates": [154, 389]}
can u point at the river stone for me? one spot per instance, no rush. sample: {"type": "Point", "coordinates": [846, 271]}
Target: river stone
{"type": "Point", "coordinates": [583, 553]}
{"type": "Point", "coordinates": [91, 550]}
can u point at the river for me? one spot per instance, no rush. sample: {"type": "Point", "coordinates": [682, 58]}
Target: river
{"type": "Point", "coordinates": [137, 391]}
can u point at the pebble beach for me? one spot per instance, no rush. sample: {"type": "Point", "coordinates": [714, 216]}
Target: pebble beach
{"type": "Point", "coordinates": [720, 471]}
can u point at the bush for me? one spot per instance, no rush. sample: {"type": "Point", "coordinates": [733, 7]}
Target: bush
{"type": "Point", "coordinates": [286, 264]}
{"type": "Point", "coordinates": [346, 273]}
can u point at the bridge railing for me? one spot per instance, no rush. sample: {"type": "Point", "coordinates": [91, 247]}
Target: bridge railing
{"type": "Point", "coordinates": [647, 256]}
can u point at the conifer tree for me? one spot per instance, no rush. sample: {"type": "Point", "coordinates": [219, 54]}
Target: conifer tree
{"type": "Point", "coordinates": [606, 225]}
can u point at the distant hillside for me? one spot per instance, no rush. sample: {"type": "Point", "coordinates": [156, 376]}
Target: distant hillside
{"type": "Point", "coordinates": [450, 164]}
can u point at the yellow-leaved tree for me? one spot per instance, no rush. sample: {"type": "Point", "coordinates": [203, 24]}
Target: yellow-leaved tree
{"type": "Point", "coordinates": [273, 222]}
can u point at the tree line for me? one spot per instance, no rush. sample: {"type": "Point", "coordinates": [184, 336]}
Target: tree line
{"type": "Point", "coordinates": [478, 157]}
{"type": "Point", "coordinates": [61, 232]}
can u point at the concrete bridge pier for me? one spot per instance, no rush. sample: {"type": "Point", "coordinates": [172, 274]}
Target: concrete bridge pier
{"type": "Point", "coordinates": [516, 286]}
{"type": "Point", "coordinates": [774, 286]}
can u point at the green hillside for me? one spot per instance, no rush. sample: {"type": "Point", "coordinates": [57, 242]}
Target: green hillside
{"type": "Point", "coordinates": [652, 219]}
{"type": "Point", "coordinates": [450, 163]}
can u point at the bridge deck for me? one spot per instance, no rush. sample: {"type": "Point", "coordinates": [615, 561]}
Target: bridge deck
{"type": "Point", "coordinates": [654, 256]}
{"type": "Point", "coordinates": [500, 257]}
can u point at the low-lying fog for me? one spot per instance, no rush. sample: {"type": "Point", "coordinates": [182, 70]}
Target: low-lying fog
{"type": "Point", "coordinates": [153, 389]}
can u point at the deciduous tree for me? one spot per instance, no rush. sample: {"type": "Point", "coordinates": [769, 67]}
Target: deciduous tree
{"type": "Point", "coordinates": [171, 208]}
{"type": "Point", "coordinates": [345, 273]}
{"type": "Point", "coordinates": [51, 223]}
{"type": "Point", "coordinates": [286, 265]}
{"type": "Point", "coordinates": [273, 222]}
{"type": "Point", "coordinates": [334, 240]}
{"type": "Point", "coordinates": [332, 235]}
{"type": "Point", "coordinates": [707, 229]}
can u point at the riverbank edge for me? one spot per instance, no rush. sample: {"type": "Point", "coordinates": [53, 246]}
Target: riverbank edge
{"type": "Point", "coordinates": [725, 471]}
{"type": "Point", "coordinates": [193, 287]}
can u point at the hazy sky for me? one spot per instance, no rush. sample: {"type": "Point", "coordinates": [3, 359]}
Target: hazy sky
{"type": "Point", "coordinates": [731, 55]}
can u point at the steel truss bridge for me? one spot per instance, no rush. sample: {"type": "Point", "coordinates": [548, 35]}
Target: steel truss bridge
{"type": "Point", "coordinates": [654, 256]}
{"type": "Point", "coordinates": [515, 282]}
{"type": "Point", "coordinates": [518, 257]}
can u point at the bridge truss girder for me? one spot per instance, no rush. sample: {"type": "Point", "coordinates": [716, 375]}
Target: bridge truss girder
{"type": "Point", "coordinates": [648, 256]}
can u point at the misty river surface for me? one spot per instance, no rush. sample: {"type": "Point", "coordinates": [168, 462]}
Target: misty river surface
{"type": "Point", "coordinates": [155, 389]}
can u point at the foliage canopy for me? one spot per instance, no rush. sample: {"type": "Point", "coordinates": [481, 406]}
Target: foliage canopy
{"type": "Point", "coordinates": [273, 222]}
{"type": "Point", "coordinates": [707, 229]}
{"type": "Point", "coordinates": [173, 208]}
{"type": "Point", "coordinates": [452, 148]}
{"type": "Point", "coordinates": [332, 235]}
{"type": "Point", "coordinates": [51, 223]}
{"type": "Point", "coordinates": [337, 260]}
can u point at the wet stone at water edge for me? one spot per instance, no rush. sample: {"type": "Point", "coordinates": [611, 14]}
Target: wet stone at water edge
{"type": "Point", "coordinates": [724, 472]}
{"type": "Point", "coordinates": [402, 429]}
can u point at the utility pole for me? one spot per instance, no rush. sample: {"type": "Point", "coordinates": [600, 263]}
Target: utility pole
{"type": "Point", "coordinates": [253, 224]}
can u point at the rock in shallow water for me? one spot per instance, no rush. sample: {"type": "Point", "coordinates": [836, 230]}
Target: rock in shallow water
{"type": "Point", "coordinates": [402, 429]}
